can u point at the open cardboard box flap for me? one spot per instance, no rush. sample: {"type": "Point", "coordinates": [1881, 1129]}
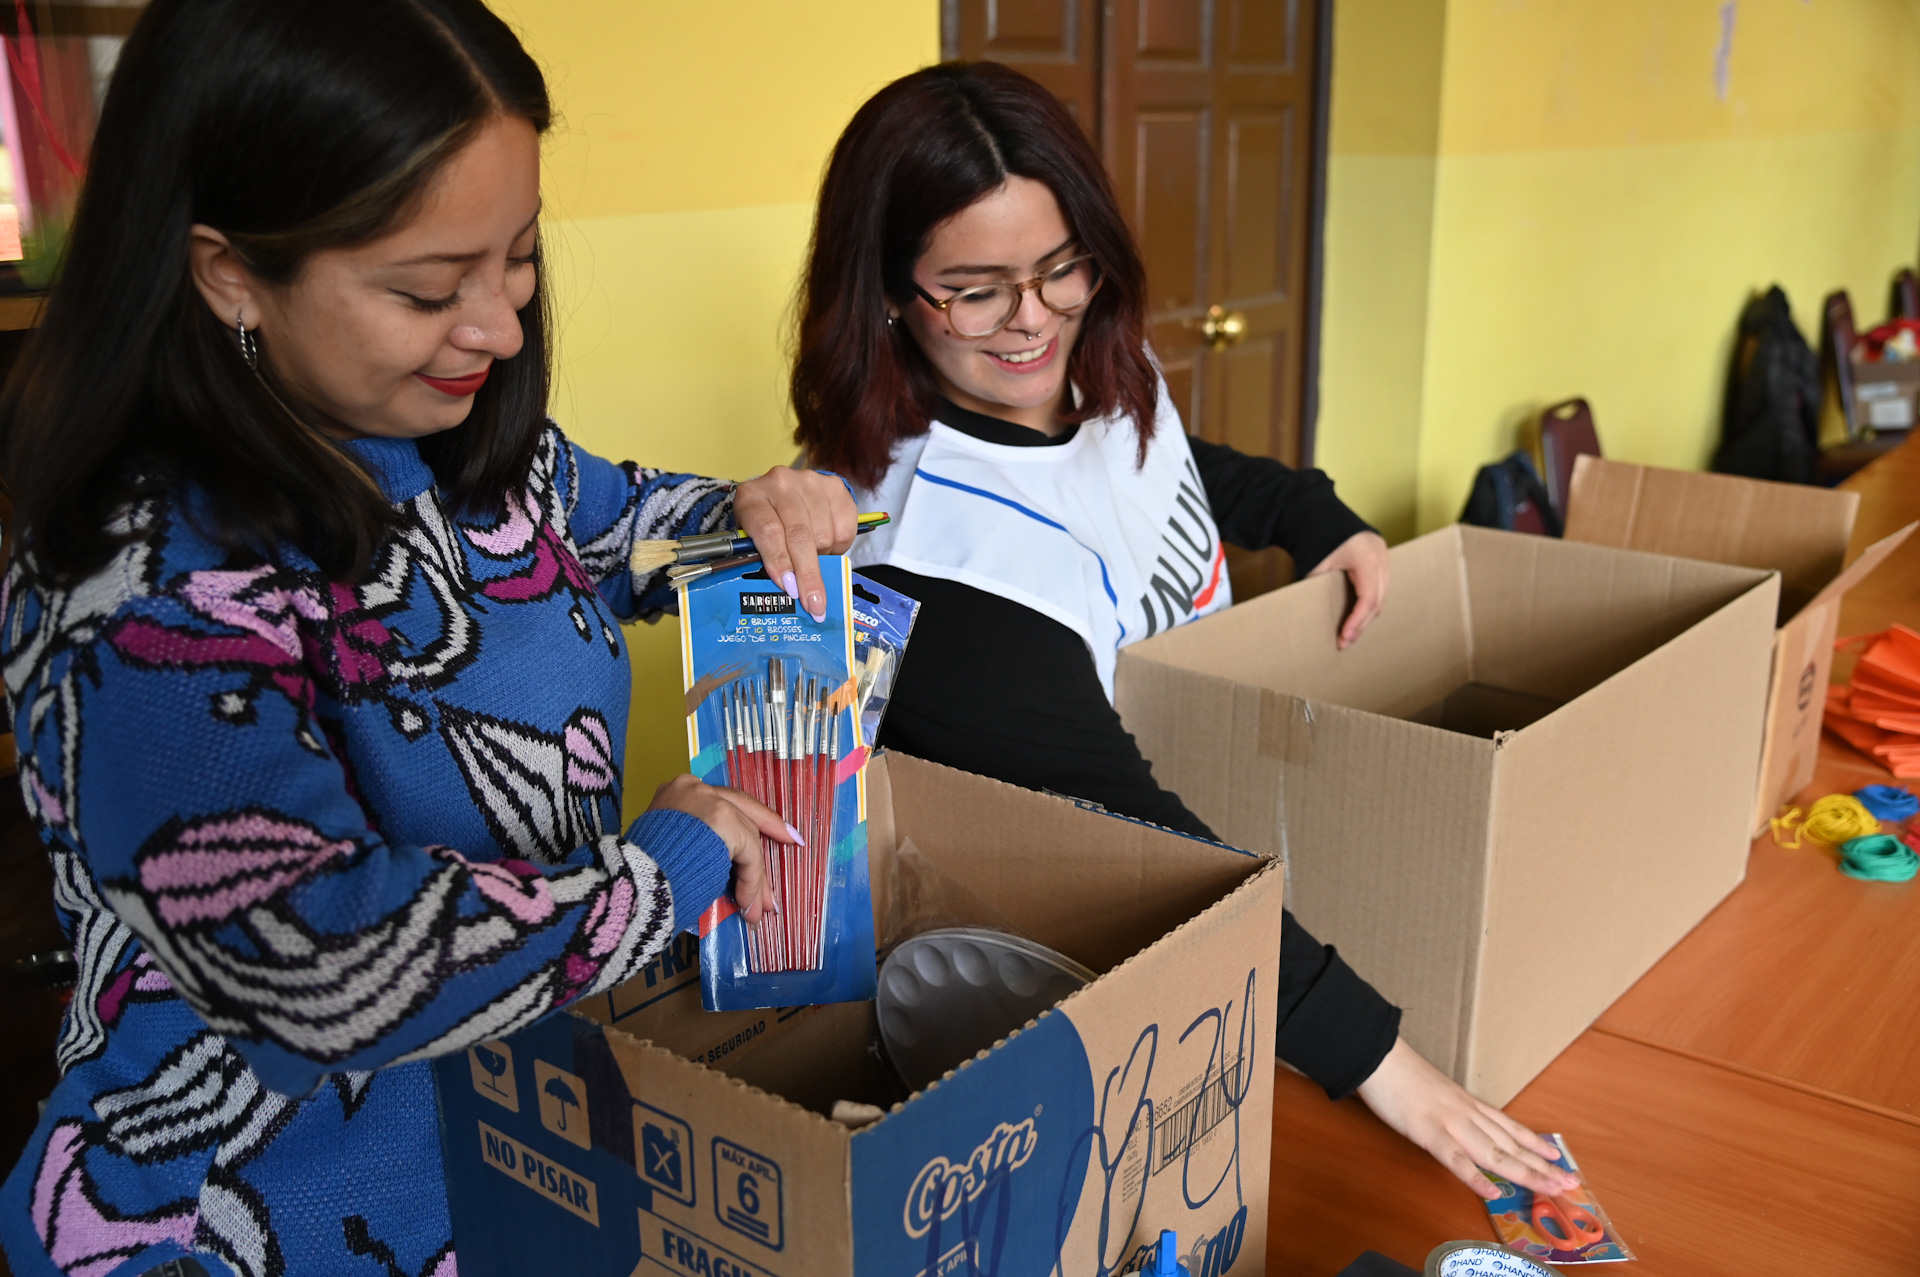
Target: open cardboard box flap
{"type": "Point", "coordinates": [1870, 558]}
{"type": "Point", "coordinates": [1532, 616]}
{"type": "Point", "coordinates": [1799, 531]}
{"type": "Point", "coordinates": [1098, 892]}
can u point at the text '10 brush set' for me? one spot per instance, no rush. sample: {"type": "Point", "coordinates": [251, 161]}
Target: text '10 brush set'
{"type": "Point", "coordinates": [784, 708]}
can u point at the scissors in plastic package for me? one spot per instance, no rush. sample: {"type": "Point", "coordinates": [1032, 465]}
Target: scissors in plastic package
{"type": "Point", "coordinates": [1568, 1225]}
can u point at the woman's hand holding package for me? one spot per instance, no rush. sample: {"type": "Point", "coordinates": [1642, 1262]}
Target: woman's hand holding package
{"type": "Point", "coordinates": [793, 517]}
{"type": "Point", "coordinates": [740, 821]}
{"type": "Point", "coordinates": [1363, 557]}
{"type": "Point", "coordinates": [1461, 1133]}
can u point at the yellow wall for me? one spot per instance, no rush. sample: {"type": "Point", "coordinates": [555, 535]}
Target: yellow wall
{"type": "Point", "coordinates": [1383, 140]}
{"type": "Point", "coordinates": [679, 193]}
{"type": "Point", "coordinates": [1533, 199]}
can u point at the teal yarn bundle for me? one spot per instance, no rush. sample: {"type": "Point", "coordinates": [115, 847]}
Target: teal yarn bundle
{"type": "Point", "coordinates": [1878, 858]}
{"type": "Point", "coordinates": [1888, 802]}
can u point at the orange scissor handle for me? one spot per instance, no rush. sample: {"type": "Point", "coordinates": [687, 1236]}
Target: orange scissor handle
{"type": "Point", "coordinates": [1573, 1225]}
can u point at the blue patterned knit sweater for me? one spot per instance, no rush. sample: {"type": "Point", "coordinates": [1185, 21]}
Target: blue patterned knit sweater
{"type": "Point", "coordinates": [306, 836]}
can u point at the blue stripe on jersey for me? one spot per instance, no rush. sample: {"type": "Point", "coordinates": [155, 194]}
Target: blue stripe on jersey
{"type": "Point", "coordinates": [1106, 582]}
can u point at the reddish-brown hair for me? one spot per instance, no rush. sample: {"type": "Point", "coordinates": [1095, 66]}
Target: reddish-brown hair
{"type": "Point", "coordinates": [921, 150]}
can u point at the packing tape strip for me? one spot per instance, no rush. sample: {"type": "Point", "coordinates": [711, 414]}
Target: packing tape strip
{"type": "Point", "coordinates": [1481, 1259]}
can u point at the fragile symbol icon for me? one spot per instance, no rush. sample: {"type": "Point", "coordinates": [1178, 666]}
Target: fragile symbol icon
{"type": "Point", "coordinates": [491, 1064]}
{"type": "Point", "coordinates": [494, 1064]}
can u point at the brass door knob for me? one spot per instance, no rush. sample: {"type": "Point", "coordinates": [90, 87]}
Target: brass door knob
{"type": "Point", "coordinates": [1223, 328]}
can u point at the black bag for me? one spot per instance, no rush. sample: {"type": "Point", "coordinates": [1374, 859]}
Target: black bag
{"type": "Point", "coordinates": [1772, 422]}
{"type": "Point", "coordinates": [1509, 495]}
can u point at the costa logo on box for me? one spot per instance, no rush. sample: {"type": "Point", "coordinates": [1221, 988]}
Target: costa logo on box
{"type": "Point", "coordinates": [942, 1186]}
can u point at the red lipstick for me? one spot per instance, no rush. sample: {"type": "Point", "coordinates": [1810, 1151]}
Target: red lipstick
{"type": "Point", "coordinates": [457, 387]}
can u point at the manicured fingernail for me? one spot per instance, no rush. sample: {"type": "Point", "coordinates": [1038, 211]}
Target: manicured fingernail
{"type": "Point", "coordinates": [791, 586]}
{"type": "Point", "coordinates": [795, 835]}
{"type": "Point", "coordinates": [817, 607]}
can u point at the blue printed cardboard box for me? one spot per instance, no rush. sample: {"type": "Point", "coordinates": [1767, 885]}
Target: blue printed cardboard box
{"type": "Point", "coordinates": [639, 1135]}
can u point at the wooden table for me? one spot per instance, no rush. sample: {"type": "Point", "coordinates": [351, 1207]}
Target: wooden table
{"type": "Point", "coordinates": [1766, 1071]}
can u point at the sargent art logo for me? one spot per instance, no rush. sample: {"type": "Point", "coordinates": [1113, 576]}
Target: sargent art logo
{"type": "Point", "coordinates": [942, 1187]}
{"type": "Point", "coordinates": [766, 605]}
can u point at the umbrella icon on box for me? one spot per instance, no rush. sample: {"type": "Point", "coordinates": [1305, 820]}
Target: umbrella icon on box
{"type": "Point", "coordinates": [560, 1091]}
{"type": "Point", "coordinates": [565, 1103]}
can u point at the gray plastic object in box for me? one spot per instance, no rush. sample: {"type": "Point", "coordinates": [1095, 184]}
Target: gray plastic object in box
{"type": "Point", "coordinates": [945, 995]}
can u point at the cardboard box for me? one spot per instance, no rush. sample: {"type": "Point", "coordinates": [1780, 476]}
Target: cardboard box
{"type": "Point", "coordinates": [644, 1136]}
{"type": "Point", "coordinates": [1525, 782]}
{"type": "Point", "coordinates": [1801, 532]}
{"type": "Point", "coordinates": [1886, 394]}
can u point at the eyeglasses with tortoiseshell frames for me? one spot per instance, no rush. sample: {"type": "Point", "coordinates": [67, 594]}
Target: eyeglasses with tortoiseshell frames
{"type": "Point", "coordinates": [985, 309]}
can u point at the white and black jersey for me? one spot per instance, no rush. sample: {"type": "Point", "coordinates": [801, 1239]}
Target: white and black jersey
{"type": "Point", "coordinates": [1112, 545]}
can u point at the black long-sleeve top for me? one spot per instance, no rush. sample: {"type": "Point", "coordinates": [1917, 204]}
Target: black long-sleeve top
{"type": "Point", "coordinates": [992, 687]}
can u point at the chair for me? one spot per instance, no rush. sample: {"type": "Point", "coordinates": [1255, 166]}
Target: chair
{"type": "Point", "coordinates": [1905, 301]}
{"type": "Point", "coordinates": [1566, 432]}
{"type": "Point", "coordinates": [1837, 337]}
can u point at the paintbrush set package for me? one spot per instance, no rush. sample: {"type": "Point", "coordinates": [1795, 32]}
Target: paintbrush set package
{"type": "Point", "coordinates": [772, 709]}
{"type": "Point", "coordinates": [882, 621]}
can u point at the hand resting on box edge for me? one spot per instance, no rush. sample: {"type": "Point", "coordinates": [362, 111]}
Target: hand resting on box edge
{"type": "Point", "coordinates": [1363, 557]}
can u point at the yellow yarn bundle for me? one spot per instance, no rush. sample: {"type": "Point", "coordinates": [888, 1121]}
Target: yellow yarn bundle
{"type": "Point", "coordinates": [1832, 820]}
{"type": "Point", "coordinates": [1837, 818]}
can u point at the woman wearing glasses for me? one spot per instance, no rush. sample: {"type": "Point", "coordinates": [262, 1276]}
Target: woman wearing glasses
{"type": "Point", "coordinates": [972, 354]}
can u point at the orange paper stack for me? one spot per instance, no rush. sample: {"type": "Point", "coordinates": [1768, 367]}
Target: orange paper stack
{"type": "Point", "coordinates": [1878, 712]}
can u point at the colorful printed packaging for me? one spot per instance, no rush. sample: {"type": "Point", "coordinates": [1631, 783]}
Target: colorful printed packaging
{"type": "Point", "coordinates": [772, 710]}
{"type": "Point", "coordinates": [882, 621]}
{"type": "Point", "coordinates": [1570, 1228]}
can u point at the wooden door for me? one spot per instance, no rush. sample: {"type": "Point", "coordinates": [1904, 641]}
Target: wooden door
{"type": "Point", "coordinates": [1205, 125]}
{"type": "Point", "coordinates": [1206, 117]}
{"type": "Point", "coordinates": [1057, 42]}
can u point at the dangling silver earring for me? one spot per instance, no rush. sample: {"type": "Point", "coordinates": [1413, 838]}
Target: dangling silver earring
{"type": "Point", "coordinates": [249, 348]}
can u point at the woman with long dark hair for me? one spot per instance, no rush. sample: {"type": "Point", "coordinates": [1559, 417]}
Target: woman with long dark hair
{"type": "Point", "coordinates": [310, 636]}
{"type": "Point", "coordinates": [972, 352]}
